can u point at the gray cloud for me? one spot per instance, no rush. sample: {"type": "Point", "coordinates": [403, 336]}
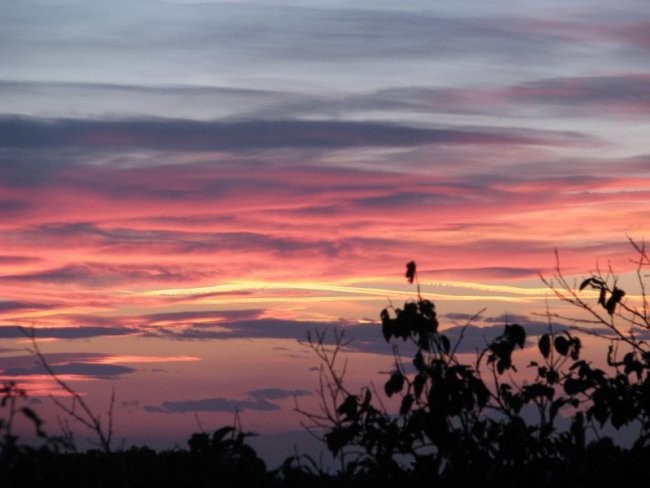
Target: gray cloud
{"type": "Point", "coordinates": [283, 34]}
{"type": "Point", "coordinates": [315, 46]}
{"type": "Point", "coordinates": [219, 404]}
{"type": "Point", "coordinates": [55, 98]}
{"type": "Point", "coordinates": [578, 95]}
{"type": "Point", "coordinates": [514, 318]}
{"type": "Point", "coordinates": [117, 240]}
{"type": "Point", "coordinates": [84, 369]}
{"type": "Point", "coordinates": [256, 328]}
{"type": "Point", "coordinates": [83, 332]}
{"type": "Point", "coordinates": [99, 275]}
{"type": "Point", "coordinates": [365, 338]}
{"type": "Point", "coordinates": [606, 96]}
{"type": "Point", "coordinates": [277, 393]}
{"type": "Point", "coordinates": [17, 259]}
{"type": "Point", "coordinates": [14, 305]}
{"type": "Point", "coordinates": [460, 316]}
{"type": "Point", "coordinates": [620, 93]}
{"type": "Point", "coordinates": [13, 207]}
{"type": "Point", "coordinates": [495, 272]}
{"type": "Point", "coordinates": [229, 315]}
{"type": "Point", "coordinates": [190, 135]}
{"type": "Point", "coordinates": [634, 88]}
{"type": "Point", "coordinates": [259, 400]}
{"type": "Point", "coordinates": [85, 364]}
{"type": "Point", "coordinates": [401, 199]}
{"type": "Point", "coordinates": [211, 405]}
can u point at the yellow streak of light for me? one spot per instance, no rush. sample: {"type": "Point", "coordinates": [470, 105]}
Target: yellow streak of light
{"type": "Point", "coordinates": [257, 285]}
{"type": "Point", "coordinates": [144, 359]}
{"type": "Point", "coordinates": [515, 290]}
{"type": "Point", "coordinates": [499, 293]}
{"type": "Point", "coordinates": [321, 299]}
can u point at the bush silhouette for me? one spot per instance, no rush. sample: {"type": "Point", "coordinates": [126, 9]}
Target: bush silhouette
{"type": "Point", "coordinates": [460, 424]}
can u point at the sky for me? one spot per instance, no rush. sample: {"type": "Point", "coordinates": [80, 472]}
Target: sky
{"type": "Point", "coordinates": [188, 187]}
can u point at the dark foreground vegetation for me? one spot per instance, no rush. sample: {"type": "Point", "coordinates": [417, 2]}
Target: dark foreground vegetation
{"type": "Point", "coordinates": [449, 421]}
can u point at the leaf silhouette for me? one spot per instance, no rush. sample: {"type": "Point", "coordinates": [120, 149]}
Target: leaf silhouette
{"type": "Point", "coordinates": [616, 297]}
{"type": "Point", "coordinates": [407, 403]}
{"type": "Point", "coordinates": [593, 282]}
{"type": "Point", "coordinates": [394, 384]}
{"type": "Point", "coordinates": [562, 345]}
{"type": "Point", "coordinates": [516, 334]}
{"type": "Point", "coordinates": [410, 271]}
{"type": "Point", "coordinates": [545, 345]}
{"type": "Point", "coordinates": [349, 407]}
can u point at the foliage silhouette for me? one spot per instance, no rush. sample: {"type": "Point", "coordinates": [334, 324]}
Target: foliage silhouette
{"type": "Point", "coordinates": [460, 424]}
{"type": "Point", "coordinates": [448, 419]}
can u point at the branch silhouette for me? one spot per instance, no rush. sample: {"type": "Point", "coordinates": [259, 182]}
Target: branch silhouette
{"type": "Point", "coordinates": [78, 410]}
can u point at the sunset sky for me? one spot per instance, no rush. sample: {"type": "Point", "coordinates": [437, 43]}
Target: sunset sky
{"type": "Point", "coordinates": [188, 187]}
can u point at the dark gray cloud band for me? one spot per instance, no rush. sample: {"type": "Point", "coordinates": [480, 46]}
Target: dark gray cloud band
{"type": "Point", "coordinates": [191, 135]}
{"type": "Point", "coordinates": [82, 364]}
{"type": "Point", "coordinates": [85, 332]}
{"type": "Point", "coordinates": [84, 369]}
{"type": "Point", "coordinates": [366, 338]}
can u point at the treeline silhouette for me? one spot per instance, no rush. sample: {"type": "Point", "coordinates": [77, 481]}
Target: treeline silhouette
{"type": "Point", "coordinates": [449, 420]}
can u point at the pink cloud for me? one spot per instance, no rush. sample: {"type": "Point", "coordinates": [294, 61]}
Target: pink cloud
{"type": "Point", "coordinates": [94, 242]}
